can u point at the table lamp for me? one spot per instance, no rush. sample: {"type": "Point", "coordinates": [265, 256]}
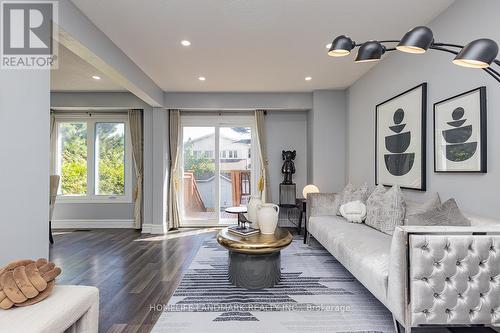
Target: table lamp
{"type": "Point", "coordinates": [309, 189]}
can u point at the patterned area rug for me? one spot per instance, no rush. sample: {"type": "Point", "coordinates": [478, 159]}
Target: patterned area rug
{"type": "Point", "coordinates": [316, 294]}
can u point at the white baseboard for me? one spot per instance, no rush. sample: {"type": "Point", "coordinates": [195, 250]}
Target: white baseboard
{"type": "Point", "coordinates": [155, 229]}
{"type": "Point", "coordinates": [93, 224]}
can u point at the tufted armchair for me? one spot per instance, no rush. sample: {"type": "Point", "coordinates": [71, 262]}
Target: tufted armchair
{"type": "Point", "coordinates": [445, 276]}
{"type": "Point", "coordinates": [425, 275]}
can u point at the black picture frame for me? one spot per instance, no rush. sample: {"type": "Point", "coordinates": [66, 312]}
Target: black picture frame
{"type": "Point", "coordinates": [423, 138]}
{"type": "Point", "coordinates": [483, 168]}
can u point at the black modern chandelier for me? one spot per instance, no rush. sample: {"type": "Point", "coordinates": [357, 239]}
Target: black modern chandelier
{"type": "Point", "coordinates": [479, 53]}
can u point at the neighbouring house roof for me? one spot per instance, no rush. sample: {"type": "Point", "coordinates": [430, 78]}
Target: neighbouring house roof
{"type": "Point", "coordinates": [244, 141]}
{"type": "Point", "coordinates": [212, 178]}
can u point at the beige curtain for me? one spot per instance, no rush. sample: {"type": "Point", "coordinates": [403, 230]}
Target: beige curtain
{"type": "Point", "coordinates": [135, 123]}
{"type": "Point", "coordinates": [174, 120]}
{"type": "Point", "coordinates": [261, 140]}
{"type": "Point", "coordinates": [52, 125]}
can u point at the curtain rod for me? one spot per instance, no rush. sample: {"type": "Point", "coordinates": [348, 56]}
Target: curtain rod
{"type": "Point", "coordinates": [70, 112]}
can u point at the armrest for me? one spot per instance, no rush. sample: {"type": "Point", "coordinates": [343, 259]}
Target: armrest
{"type": "Point", "coordinates": [429, 275]}
{"type": "Point", "coordinates": [321, 204]}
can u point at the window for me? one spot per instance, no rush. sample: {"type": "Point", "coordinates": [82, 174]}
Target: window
{"type": "Point", "coordinates": [92, 155]}
{"type": "Point", "coordinates": [209, 154]}
{"type": "Point", "coordinates": [110, 158]}
{"type": "Point", "coordinates": [231, 153]}
{"type": "Point", "coordinates": [72, 158]}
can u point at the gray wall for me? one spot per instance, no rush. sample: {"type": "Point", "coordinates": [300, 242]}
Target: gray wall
{"type": "Point", "coordinates": [461, 23]}
{"type": "Point", "coordinates": [24, 169]}
{"type": "Point", "coordinates": [160, 170]}
{"type": "Point", "coordinates": [327, 140]}
{"type": "Point", "coordinates": [286, 130]}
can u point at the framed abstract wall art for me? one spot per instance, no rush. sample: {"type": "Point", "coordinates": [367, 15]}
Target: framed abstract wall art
{"type": "Point", "coordinates": [460, 133]}
{"type": "Point", "coordinates": [400, 139]}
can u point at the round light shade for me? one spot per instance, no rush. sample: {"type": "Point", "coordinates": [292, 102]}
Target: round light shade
{"type": "Point", "coordinates": [477, 54]}
{"type": "Point", "coordinates": [309, 189]}
{"type": "Point", "coordinates": [341, 46]}
{"type": "Point", "coordinates": [417, 40]}
{"type": "Point", "coordinates": [370, 51]}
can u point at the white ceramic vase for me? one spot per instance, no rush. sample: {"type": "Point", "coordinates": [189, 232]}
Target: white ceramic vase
{"type": "Point", "coordinates": [252, 208]}
{"type": "Point", "coordinates": [268, 218]}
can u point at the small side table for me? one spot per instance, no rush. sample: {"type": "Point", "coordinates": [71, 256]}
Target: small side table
{"type": "Point", "coordinates": [240, 211]}
{"type": "Point", "coordinates": [300, 205]}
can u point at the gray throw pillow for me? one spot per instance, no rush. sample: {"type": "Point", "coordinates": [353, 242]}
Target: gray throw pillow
{"type": "Point", "coordinates": [374, 206]}
{"type": "Point", "coordinates": [348, 189]}
{"type": "Point", "coordinates": [387, 209]}
{"type": "Point", "coordinates": [447, 214]}
{"type": "Point", "coordinates": [413, 207]}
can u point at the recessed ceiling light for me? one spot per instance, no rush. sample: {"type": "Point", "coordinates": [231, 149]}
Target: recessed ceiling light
{"type": "Point", "coordinates": [328, 45]}
{"type": "Point", "coordinates": [185, 42]}
{"type": "Point", "coordinates": [96, 77]}
{"type": "Point", "coordinates": [308, 78]}
{"type": "Point", "coordinates": [202, 78]}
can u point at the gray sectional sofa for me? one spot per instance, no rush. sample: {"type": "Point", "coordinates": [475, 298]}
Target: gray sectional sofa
{"type": "Point", "coordinates": [424, 275]}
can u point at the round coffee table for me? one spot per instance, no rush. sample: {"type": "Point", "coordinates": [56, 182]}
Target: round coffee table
{"type": "Point", "coordinates": [254, 261]}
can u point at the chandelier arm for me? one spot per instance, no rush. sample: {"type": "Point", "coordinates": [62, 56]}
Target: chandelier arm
{"type": "Point", "coordinates": [447, 44]}
{"type": "Point", "coordinates": [389, 41]}
{"type": "Point", "coordinates": [492, 73]}
{"type": "Point", "coordinates": [379, 41]}
{"type": "Point", "coordinates": [439, 48]}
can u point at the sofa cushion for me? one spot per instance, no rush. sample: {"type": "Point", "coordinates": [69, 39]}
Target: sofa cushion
{"type": "Point", "coordinates": [364, 251]}
{"type": "Point", "coordinates": [386, 209]}
{"type": "Point", "coordinates": [413, 207]}
{"type": "Point", "coordinates": [374, 206]}
{"type": "Point", "coordinates": [446, 214]}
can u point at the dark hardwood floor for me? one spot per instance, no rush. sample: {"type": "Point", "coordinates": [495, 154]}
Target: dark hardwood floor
{"type": "Point", "coordinates": [131, 270]}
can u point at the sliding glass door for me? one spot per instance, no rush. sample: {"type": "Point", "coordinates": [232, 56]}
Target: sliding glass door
{"type": "Point", "coordinates": [217, 167]}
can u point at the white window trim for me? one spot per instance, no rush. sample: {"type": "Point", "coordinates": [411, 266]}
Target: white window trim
{"type": "Point", "coordinates": [91, 197]}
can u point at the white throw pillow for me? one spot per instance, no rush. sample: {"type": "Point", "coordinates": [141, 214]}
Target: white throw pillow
{"type": "Point", "coordinates": [350, 193]}
{"type": "Point", "coordinates": [354, 211]}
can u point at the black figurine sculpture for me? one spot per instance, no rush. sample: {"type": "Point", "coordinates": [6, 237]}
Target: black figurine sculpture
{"type": "Point", "coordinates": [288, 168]}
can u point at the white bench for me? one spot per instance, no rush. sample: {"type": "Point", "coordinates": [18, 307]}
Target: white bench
{"type": "Point", "coordinates": [73, 309]}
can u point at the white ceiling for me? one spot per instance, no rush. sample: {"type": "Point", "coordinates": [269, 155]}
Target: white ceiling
{"type": "Point", "coordinates": [75, 74]}
{"type": "Point", "coordinates": [251, 45]}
